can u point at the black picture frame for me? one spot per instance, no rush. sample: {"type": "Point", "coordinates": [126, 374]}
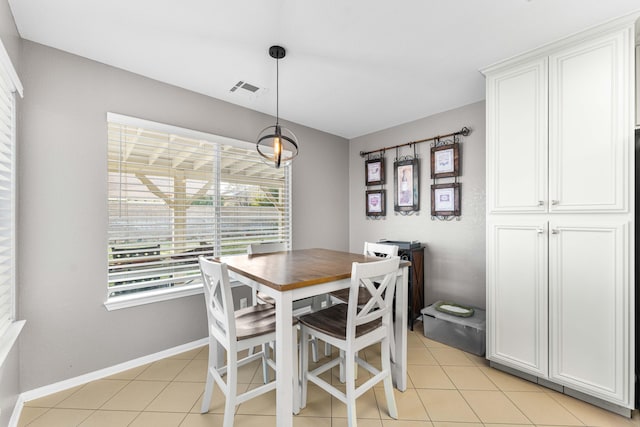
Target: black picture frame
{"type": "Point", "coordinates": [375, 202]}
{"type": "Point", "coordinates": [406, 175]}
{"type": "Point", "coordinates": [374, 171]}
{"type": "Point", "coordinates": [445, 161]}
{"type": "Point", "coordinates": [445, 199]}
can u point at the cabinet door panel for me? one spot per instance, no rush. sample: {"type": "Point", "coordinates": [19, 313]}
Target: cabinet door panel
{"type": "Point", "coordinates": [589, 308]}
{"type": "Point", "coordinates": [588, 122]}
{"type": "Point", "coordinates": [517, 139]}
{"type": "Point", "coordinates": [637, 86]}
{"type": "Point", "coordinates": [517, 296]}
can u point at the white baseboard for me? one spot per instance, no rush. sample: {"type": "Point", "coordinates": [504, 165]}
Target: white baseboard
{"type": "Point", "coordinates": [96, 375]}
{"type": "Point", "coordinates": [17, 410]}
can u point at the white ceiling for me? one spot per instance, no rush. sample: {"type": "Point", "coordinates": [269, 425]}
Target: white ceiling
{"type": "Point", "coordinates": [352, 66]}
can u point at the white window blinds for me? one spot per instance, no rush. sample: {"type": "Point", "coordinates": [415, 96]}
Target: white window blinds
{"type": "Point", "coordinates": [175, 194]}
{"type": "Point", "coordinates": [8, 87]}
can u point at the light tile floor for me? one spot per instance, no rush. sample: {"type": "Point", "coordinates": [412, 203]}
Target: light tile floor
{"type": "Point", "coordinates": [447, 388]}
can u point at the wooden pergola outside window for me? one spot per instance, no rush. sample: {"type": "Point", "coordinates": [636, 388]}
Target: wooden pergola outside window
{"type": "Point", "coordinates": [176, 195]}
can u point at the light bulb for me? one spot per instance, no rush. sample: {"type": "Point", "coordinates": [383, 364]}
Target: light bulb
{"type": "Point", "coordinates": [277, 150]}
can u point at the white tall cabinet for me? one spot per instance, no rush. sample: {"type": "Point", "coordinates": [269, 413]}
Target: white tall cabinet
{"type": "Point", "coordinates": [560, 162]}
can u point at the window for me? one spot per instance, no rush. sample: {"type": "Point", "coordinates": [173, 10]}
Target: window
{"type": "Point", "coordinates": [175, 194]}
{"type": "Point", "coordinates": [9, 86]}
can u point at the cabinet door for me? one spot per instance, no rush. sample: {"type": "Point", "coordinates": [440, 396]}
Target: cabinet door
{"type": "Point", "coordinates": [517, 296]}
{"type": "Point", "coordinates": [590, 125]}
{"type": "Point", "coordinates": [517, 139]}
{"type": "Point", "coordinates": [589, 308]}
{"type": "Point", "coordinates": [637, 86]}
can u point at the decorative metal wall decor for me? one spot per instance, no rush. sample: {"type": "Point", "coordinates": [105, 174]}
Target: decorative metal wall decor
{"type": "Point", "coordinates": [374, 175]}
{"type": "Point", "coordinates": [445, 160]}
{"type": "Point", "coordinates": [406, 182]}
{"type": "Point", "coordinates": [445, 163]}
{"type": "Point", "coordinates": [376, 204]}
{"type": "Point", "coordinates": [445, 200]}
{"type": "Point", "coordinates": [464, 132]}
{"type": "Point", "coordinates": [374, 171]}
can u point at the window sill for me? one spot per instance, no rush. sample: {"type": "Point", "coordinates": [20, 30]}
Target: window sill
{"type": "Point", "coordinates": [149, 297]}
{"type": "Point", "coordinates": [8, 340]}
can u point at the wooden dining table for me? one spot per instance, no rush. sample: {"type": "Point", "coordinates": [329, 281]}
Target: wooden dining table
{"type": "Point", "coordinates": [297, 274]}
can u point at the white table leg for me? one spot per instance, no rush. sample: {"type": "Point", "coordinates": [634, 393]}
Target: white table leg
{"type": "Point", "coordinates": [284, 360]}
{"type": "Point", "coordinates": [399, 368]}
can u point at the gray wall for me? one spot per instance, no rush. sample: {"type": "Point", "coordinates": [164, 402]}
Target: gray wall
{"type": "Point", "coordinates": [455, 250]}
{"type": "Point", "coordinates": [9, 34]}
{"type": "Point", "coordinates": [9, 385]}
{"type": "Point", "coordinates": [9, 370]}
{"type": "Point", "coordinates": [63, 229]}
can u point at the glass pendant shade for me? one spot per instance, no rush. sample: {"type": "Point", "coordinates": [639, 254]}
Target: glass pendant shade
{"type": "Point", "coordinates": [277, 145]}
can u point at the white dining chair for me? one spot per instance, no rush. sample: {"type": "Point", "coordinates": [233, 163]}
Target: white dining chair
{"type": "Point", "coordinates": [342, 296]}
{"type": "Point", "coordinates": [236, 331]}
{"type": "Point", "coordinates": [351, 328]}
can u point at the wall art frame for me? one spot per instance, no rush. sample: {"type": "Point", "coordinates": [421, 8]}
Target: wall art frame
{"type": "Point", "coordinates": [374, 171]}
{"type": "Point", "coordinates": [445, 160]}
{"type": "Point", "coordinates": [445, 200]}
{"type": "Point", "coordinates": [406, 176]}
{"type": "Point", "coordinates": [375, 202]}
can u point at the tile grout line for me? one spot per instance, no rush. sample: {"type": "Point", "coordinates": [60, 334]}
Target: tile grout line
{"type": "Point", "coordinates": [516, 405]}
{"type": "Point", "coordinates": [80, 391]}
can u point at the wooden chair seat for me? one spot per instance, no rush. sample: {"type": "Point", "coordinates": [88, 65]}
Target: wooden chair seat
{"type": "Point", "coordinates": [256, 320]}
{"type": "Point", "coordinates": [333, 321]}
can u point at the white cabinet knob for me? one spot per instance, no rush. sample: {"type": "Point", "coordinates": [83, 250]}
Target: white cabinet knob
{"type": "Point", "coordinates": [555, 202]}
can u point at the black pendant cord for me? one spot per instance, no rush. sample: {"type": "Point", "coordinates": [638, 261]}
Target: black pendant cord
{"type": "Point", "coordinates": [277, 91]}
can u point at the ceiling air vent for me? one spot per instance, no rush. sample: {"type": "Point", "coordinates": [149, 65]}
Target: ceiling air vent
{"type": "Point", "coordinates": [246, 86]}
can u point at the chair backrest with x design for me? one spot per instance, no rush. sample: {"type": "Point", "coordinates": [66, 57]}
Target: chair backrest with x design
{"type": "Point", "coordinates": [380, 249]}
{"type": "Point", "coordinates": [219, 302]}
{"type": "Point", "coordinates": [379, 279]}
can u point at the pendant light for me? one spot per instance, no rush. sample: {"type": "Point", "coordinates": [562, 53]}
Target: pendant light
{"type": "Point", "coordinates": [276, 144]}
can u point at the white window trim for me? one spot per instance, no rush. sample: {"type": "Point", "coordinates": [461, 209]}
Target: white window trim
{"type": "Point", "coordinates": [149, 297]}
{"type": "Point", "coordinates": [9, 338]}
{"type": "Point", "coordinates": [165, 294]}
